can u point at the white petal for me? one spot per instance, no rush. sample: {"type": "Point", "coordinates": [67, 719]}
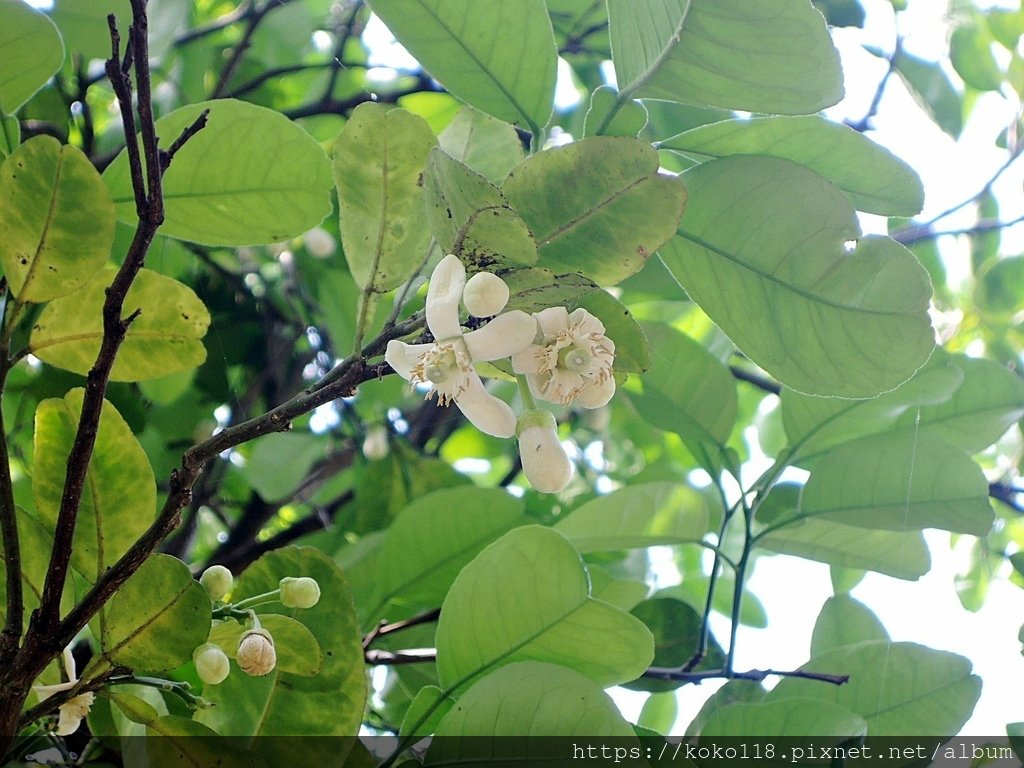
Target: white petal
{"type": "Point", "coordinates": [595, 394]}
{"type": "Point", "coordinates": [545, 462]}
{"type": "Point", "coordinates": [504, 336]}
{"type": "Point", "coordinates": [46, 691]}
{"type": "Point", "coordinates": [588, 323]}
{"type": "Point", "coordinates": [68, 723]}
{"type": "Point", "coordinates": [529, 360]}
{"type": "Point", "coordinates": [486, 412]}
{"type": "Point", "coordinates": [552, 320]}
{"type": "Point", "coordinates": [404, 357]}
{"type": "Point", "coordinates": [443, 296]}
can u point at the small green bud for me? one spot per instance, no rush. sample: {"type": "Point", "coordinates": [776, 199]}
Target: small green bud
{"type": "Point", "coordinates": [211, 663]}
{"type": "Point", "coordinates": [302, 592]}
{"type": "Point", "coordinates": [256, 655]}
{"type": "Point", "coordinates": [218, 581]}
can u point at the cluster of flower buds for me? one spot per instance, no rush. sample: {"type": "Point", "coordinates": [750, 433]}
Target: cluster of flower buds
{"type": "Point", "coordinates": [566, 358]}
{"type": "Point", "coordinates": [255, 653]}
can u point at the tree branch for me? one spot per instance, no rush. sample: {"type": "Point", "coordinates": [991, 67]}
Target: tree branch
{"type": "Point", "coordinates": [677, 674]}
{"type": "Point", "coordinates": [253, 19]}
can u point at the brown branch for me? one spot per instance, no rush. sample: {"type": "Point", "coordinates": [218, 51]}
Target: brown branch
{"type": "Point", "coordinates": [253, 20]}
{"type": "Point", "coordinates": [676, 674]}
{"type": "Point", "coordinates": [384, 628]}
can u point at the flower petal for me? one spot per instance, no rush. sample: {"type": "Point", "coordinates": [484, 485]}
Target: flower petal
{"type": "Point", "coordinates": [504, 336]}
{"type": "Point", "coordinates": [587, 322]}
{"type": "Point", "coordinates": [443, 296]}
{"type": "Point", "coordinates": [552, 320]}
{"type": "Point", "coordinates": [404, 357]}
{"type": "Point", "coordinates": [529, 360]}
{"type": "Point", "coordinates": [486, 412]}
{"type": "Point", "coordinates": [596, 393]}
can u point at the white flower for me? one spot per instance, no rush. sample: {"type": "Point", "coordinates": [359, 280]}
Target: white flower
{"type": "Point", "coordinates": [545, 462]}
{"type": "Point", "coordinates": [447, 364]}
{"type": "Point", "coordinates": [572, 362]}
{"type": "Point", "coordinates": [74, 710]}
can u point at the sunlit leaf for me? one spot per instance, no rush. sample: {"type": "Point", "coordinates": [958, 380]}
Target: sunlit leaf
{"type": "Point", "coordinates": [844, 621]}
{"type": "Point", "coordinates": [607, 117]}
{"type": "Point", "coordinates": [829, 724]}
{"type": "Point", "coordinates": [488, 146]}
{"type": "Point", "coordinates": [83, 24]}
{"type": "Point", "coordinates": [30, 42]}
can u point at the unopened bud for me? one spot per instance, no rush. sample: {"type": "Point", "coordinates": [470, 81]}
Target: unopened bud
{"type": "Point", "coordinates": [256, 655]}
{"type": "Point", "coordinates": [211, 663]}
{"type": "Point", "coordinates": [218, 581]}
{"type": "Point", "coordinates": [319, 242]}
{"type": "Point", "coordinates": [545, 462]}
{"type": "Point", "coordinates": [302, 592]}
{"type": "Point", "coordinates": [375, 445]}
{"type": "Point", "coordinates": [485, 294]}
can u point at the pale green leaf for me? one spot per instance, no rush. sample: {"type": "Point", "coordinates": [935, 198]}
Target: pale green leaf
{"type": "Point", "coordinates": [251, 176]}
{"type": "Point", "coordinates": [433, 538]}
{"type": "Point", "coordinates": [622, 593]}
{"type": "Point", "coordinates": [488, 146]}
{"type": "Point", "coordinates": [285, 704]}
{"type": "Point", "coordinates": [31, 47]}
{"type": "Point", "coordinates": [471, 218]}
{"type": "Point", "coordinates": [157, 618]}
{"type": "Point", "coordinates": [970, 53]}
{"type": "Point", "coordinates": [844, 621]}
{"type": "Point", "coordinates": [659, 712]}
{"type": "Point", "coordinates": [499, 57]}
{"type": "Point", "coordinates": [999, 289]}
{"type": "Point", "coordinates": [931, 88]}
{"type": "Point", "coordinates": [755, 55]}
{"type": "Point", "coordinates": [119, 497]}
{"type": "Point", "coordinates": [10, 134]}
{"type": "Point", "coordinates": [607, 117]}
{"type": "Point", "coordinates": [378, 160]}
{"type": "Point", "coordinates": [645, 515]}
{"type": "Point", "coordinates": [597, 206]}
{"type": "Point", "coordinates": [828, 724]}
{"type": "Point", "coordinates": [875, 180]}
{"type": "Point", "coordinates": [298, 652]}
{"type": "Point", "coordinates": [528, 699]}
{"type": "Point", "coordinates": [425, 711]}
{"type": "Point", "coordinates": [83, 24]}
{"type": "Point", "coordinates": [761, 250]}
{"type": "Point", "coordinates": [898, 482]}
{"type": "Point", "coordinates": [164, 338]}
{"type": "Point", "coordinates": [924, 692]}
{"type": "Point", "coordinates": [56, 220]}
{"type": "Point", "coordinates": [526, 597]}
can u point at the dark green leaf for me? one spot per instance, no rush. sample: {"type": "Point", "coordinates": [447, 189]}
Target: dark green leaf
{"type": "Point", "coordinates": [676, 628]}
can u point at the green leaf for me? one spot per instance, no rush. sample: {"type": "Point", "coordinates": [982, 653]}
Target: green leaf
{"type": "Point", "coordinates": [298, 652]}
{"type": "Point", "coordinates": [970, 52]}
{"type": "Point", "coordinates": [157, 618]}
{"type": "Point", "coordinates": [163, 338]}
{"type": "Point", "coordinates": [56, 220]}
{"type": "Point", "coordinates": [1000, 288]}
{"type": "Point", "coordinates": [901, 554]}
{"type": "Point", "coordinates": [479, 630]}
{"type": "Point", "coordinates": [378, 159]}
{"type": "Point", "coordinates": [841, 13]}
{"type": "Point", "coordinates": [676, 628]}
{"type": "Point", "coordinates": [755, 55]}
{"type": "Point", "coordinates": [632, 352]}
{"type": "Point", "coordinates": [989, 401]}
{"type": "Point", "coordinates": [844, 621]}
{"type": "Point", "coordinates": [274, 479]}
{"type": "Point", "coordinates": [119, 497]}
{"type": "Point", "coordinates": [434, 537]}
{"type": "Point", "coordinates": [659, 712]}
{"type": "Point", "coordinates": [687, 390]}
{"type": "Point", "coordinates": [815, 424]}
{"type": "Point", "coordinates": [10, 134]}
{"type": "Point", "coordinates": [536, 288]}
{"type": "Point", "coordinates": [645, 515]}
{"type": "Point", "coordinates": [525, 699]}
{"type": "Point", "coordinates": [181, 741]}
{"type": "Point", "coordinates": [821, 319]}
{"type": "Point", "coordinates": [488, 146]}
{"type": "Point", "coordinates": [83, 24]}
{"type": "Point", "coordinates": [499, 57]}
{"type": "Point", "coordinates": [425, 712]}
{"type": "Point", "coordinates": [471, 218]}
{"type": "Point", "coordinates": [251, 176]}
{"type": "Point", "coordinates": [930, 87]}
{"type": "Point", "coordinates": [829, 724]}
{"type": "Point", "coordinates": [875, 180]}
{"type": "Point", "coordinates": [607, 117]}
{"type": "Point", "coordinates": [329, 703]}
{"type": "Point", "coordinates": [597, 206]}
{"type": "Point", "coordinates": [923, 691]}
{"type": "Point", "coordinates": [899, 481]}
{"type": "Point", "coordinates": [31, 45]}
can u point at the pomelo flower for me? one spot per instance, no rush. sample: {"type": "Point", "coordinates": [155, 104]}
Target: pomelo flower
{"type": "Point", "coordinates": [545, 462]}
{"type": "Point", "coordinates": [572, 362]}
{"type": "Point", "coordinates": [447, 364]}
{"type": "Point", "coordinates": [73, 710]}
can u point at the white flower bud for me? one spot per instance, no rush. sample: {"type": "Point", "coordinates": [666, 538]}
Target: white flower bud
{"type": "Point", "coordinates": [320, 242]}
{"type": "Point", "coordinates": [211, 663]}
{"type": "Point", "coordinates": [375, 444]}
{"type": "Point", "coordinates": [217, 580]}
{"type": "Point", "coordinates": [302, 592]}
{"type": "Point", "coordinates": [545, 462]}
{"type": "Point", "coordinates": [485, 294]}
{"type": "Point", "coordinates": [256, 655]}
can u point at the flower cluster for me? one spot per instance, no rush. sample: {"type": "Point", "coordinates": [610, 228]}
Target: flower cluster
{"type": "Point", "coordinates": [564, 357]}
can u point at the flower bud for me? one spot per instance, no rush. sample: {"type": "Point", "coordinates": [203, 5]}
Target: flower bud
{"type": "Point", "coordinates": [375, 445]}
{"type": "Point", "coordinates": [485, 294]}
{"type": "Point", "coordinates": [218, 581]}
{"type": "Point", "coordinates": [211, 663]}
{"type": "Point", "coordinates": [545, 462]}
{"type": "Point", "coordinates": [319, 242]}
{"type": "Point", "coordinates": [256, 655]}
{"type": "Point", "coordinates": [302, 592]}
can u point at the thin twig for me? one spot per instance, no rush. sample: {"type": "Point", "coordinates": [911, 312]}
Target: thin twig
{"type": "Point", "coordinates": [916, 234]}
{"type": "Point", "coordinates": [677, 674]}
{"type": "Point", "coordinates": [384, 629]}
{"type": "Point", "coordinates": [253, 20]}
